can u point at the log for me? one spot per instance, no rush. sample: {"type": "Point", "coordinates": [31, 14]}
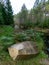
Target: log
{"type": "Point", "coordinates": [22, 49]}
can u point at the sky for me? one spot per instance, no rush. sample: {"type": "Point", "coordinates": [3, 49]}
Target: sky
{"type": "Point", "coordinates": [17, 4]}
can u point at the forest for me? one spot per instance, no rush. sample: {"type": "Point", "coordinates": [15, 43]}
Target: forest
{"type": "Point", "coordinates": [24, 28]}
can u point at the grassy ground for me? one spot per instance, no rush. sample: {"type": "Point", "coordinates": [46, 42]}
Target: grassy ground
{"type": "Point", "coordinates": [7, 39]}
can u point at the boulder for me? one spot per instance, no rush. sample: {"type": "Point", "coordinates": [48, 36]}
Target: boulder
{"type": "Point", "coordinates": [23, 49]}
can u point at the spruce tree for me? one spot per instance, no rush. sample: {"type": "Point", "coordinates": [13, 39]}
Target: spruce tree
{"type": "Point", "coordinates": [23, 14]}
{"type": "Point", "coordinates": [4, 14]}
{"type": "Point", "coordinates": [9, 13]}
{"type": "Point", "coordinates": [1, 13]}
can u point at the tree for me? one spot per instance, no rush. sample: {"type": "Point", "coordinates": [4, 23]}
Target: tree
{"type": "Point", "coordinates": [38, 15]}
{"type": "Point", "coordinates": [31, 16]}
{"type": "Point", "coordinates": [48, 1]}
{"type": "Point", "coordinates": [4, 14]}
{"type": "Point", "coordinates": [1, 12]}
{"type": "Point", "coordinates": [23, 15]}
{"type": "Point", "coordinates": [36, 3]}
{"type": "Point", "coordinates": [9, 13]}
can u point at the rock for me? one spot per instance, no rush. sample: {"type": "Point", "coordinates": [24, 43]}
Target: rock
{"type": "Point", "coordinates": [26, 48]}
{"type": "Point", "coordinates": [16, 28]}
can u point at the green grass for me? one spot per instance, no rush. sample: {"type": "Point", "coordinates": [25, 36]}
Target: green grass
{"type": "Point", "coordinates": [6, 35]}
{"type": "Point", "coordinates": [6, 31]}
{"type": "Point", "coordinates": [7, 39]}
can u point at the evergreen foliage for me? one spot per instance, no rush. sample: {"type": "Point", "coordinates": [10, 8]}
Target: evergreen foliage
{"type": "Point", "coordinates": [9, 13]}
{"type": "Point", "coordinates": [23, 15]}
{"type": "Point", "coordinates": [1, 17]}
{"type": "Point", "coordinates": [6, 13]}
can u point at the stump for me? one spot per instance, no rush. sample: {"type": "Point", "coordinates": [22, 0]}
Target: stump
{"type": "Point", "coordinates": [23, 49]}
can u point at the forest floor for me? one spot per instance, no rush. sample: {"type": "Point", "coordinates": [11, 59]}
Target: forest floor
{"type": "Point", "coordinates": [7, 39]}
